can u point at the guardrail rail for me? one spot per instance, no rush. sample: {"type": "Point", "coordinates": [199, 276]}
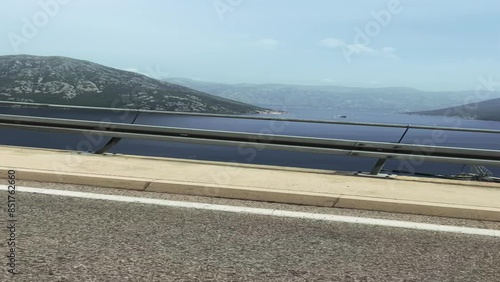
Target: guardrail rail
{"type": "Point", "coordinates": [382, 151]}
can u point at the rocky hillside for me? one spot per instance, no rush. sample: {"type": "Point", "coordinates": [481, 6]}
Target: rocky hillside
{"type": "Point", "coordinates": [60, 80]}
{"type": "Point", "coordinates": [486, 110]}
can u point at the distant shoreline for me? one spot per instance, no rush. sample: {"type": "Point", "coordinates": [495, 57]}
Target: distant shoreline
{"type": "Point", "coordinates": [497, 119]}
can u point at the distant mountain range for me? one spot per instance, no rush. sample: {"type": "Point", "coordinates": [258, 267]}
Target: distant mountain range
{"type": "Point", "coordinates": [486, 110]}
{"type": "Point", "coordinates": [60, 80]}
{"type": "Point", "coordinates": [280, 96]}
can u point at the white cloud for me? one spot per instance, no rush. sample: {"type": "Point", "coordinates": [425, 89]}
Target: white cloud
{"type": "Point", "coordinates": [332, 42]}
{"type": "Point", "coordinates": [388, 49]}
{"type": "Point", "coordinates": [359, 49]}
{"type": "Point", "coordinates": [389, 52]}
{"type": "Point", "coordinates": [266, 43]}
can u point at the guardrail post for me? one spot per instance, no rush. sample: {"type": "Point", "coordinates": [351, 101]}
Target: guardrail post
{"type": "Point", "coordinates": [108, 145]}
{"type": "Point", "coordinates": [378, 166]}
{"type": "Point", "coordinates": [114, 140]}
{"type": "Point", "coordinates": [381, 162]}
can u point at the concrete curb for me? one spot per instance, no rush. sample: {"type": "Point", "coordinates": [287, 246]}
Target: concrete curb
{"type": "Point", "coordinates": [421, 208]}
{"type": "Point", "coordinates": [267, 195]}
{"type": "Point", "coordinates": [244, 193]}
{"type": "Point", "coordinates": [80, 178]}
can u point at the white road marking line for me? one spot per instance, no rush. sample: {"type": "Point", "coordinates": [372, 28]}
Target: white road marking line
{"type": "Point", "coordinates": [269, 212]}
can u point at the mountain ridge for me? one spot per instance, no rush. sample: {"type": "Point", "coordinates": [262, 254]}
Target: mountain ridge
{"type": "Point", "coordinates": [387, 99]}
{"type": "Point", "coordinates": [485, 110]}
{"type": "Point", "coordinates": [63, 80]}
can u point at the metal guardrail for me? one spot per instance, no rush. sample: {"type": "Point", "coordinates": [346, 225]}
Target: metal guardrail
{"type": "Point", "coordinates": [370, 124]}
{"type": "Point", "coordinates": [380, 150]}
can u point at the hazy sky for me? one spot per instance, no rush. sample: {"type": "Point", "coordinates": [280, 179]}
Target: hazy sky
{"type": "Point", "coordinates": [430, 45]}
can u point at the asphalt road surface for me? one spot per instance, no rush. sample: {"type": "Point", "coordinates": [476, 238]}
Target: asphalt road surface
{"type": "Point", "coordinates": [61, 238]}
